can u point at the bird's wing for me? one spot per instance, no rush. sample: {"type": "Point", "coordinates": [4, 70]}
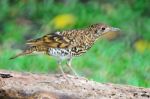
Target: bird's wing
{"type": "Point", "coordinates": [50, 40]}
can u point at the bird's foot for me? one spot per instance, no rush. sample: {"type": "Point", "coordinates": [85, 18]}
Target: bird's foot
{"type": "Point", "coordinates": [80, 77]}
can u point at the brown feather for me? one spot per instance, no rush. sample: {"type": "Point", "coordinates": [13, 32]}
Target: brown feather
{"type": "Point", "coordinates": [21, 54]}
{"type": "Point", "coordinates": [49, 40]}
{"type": "Point", "coordinates": [30, 51]}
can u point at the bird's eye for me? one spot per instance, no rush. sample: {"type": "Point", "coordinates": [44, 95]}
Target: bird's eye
{"type": "Point", "coordinates": [103, 28]}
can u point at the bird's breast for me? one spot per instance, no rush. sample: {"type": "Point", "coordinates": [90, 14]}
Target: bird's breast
{"type": "Point", "coordinates": [60, 53]}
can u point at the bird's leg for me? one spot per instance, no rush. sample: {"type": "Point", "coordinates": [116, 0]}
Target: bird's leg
{"type": "Point", "coordinates": [69, 65]}
{"type": "Point", "coordinates": [60, 67]}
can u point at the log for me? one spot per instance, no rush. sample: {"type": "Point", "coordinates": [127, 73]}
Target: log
{"type": "Point", "coordinates": [16, 85]}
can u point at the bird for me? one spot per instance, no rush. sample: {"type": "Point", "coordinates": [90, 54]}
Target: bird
{"type": "Point", "coordinates": [67, 44]}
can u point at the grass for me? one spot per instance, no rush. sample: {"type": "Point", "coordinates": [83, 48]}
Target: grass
{"type": "Point", "coordinates": [114, 61]}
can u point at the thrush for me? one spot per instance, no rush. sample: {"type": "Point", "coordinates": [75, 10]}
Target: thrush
{"type": "Point", "coordinates": [67, 44]}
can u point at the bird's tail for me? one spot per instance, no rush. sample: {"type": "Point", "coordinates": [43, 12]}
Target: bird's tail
{"type": "Point", "coordinates": [25, 52]}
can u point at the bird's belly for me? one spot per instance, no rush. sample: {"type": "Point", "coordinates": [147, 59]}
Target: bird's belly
{"type": "Point", "coordinates": [59, 53]}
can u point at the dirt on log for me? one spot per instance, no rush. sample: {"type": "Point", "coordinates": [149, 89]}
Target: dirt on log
{"type": "Point", "coordinates": [15, 85]}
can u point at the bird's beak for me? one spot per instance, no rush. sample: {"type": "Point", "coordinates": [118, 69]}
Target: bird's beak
{"type": "Point", "coordinates": [110, 29]}
{"type": "Point", "coordinates": [114, 29]}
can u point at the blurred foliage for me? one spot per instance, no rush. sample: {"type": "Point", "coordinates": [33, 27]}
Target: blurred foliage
{"type": "Point", "coordinates": [122, 58]}
{"type": "Point", "coordinates": [62, 21]}
{"type": "Point", "coordinates": [142, 45]}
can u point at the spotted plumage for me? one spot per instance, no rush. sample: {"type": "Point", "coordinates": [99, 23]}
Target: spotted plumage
{"type": "Point", "coordinates": [66, 44]}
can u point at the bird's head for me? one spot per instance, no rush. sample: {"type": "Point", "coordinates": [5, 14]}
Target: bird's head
{"type": "Point", "coordinates": [100, 29]}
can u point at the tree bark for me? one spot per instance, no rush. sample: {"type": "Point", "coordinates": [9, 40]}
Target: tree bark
{"type": "Point", "coordinates": [15, 85]}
